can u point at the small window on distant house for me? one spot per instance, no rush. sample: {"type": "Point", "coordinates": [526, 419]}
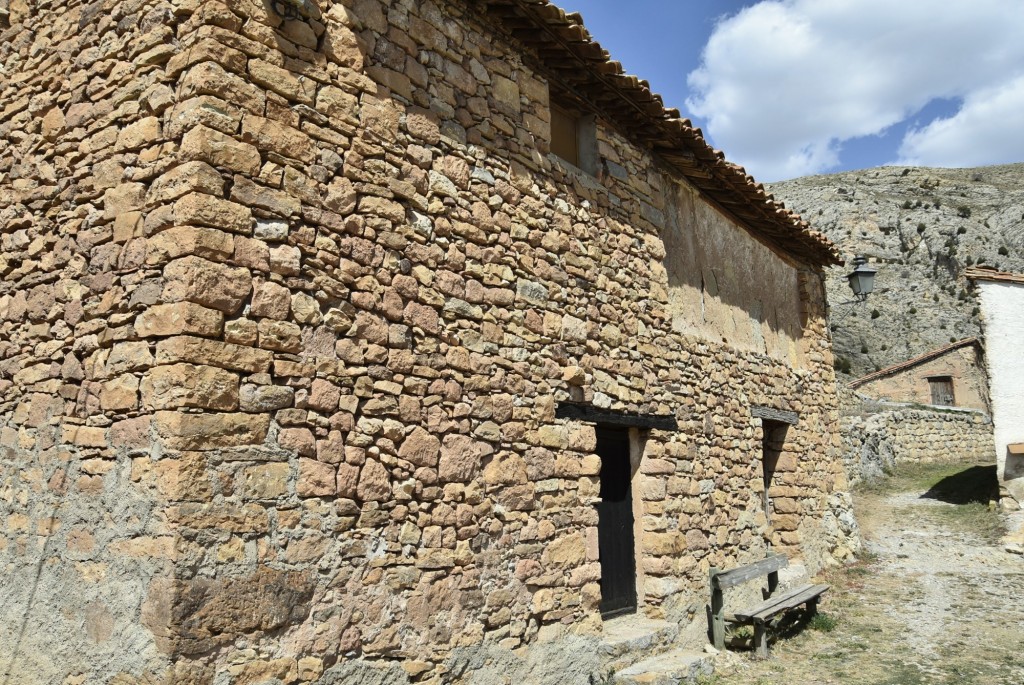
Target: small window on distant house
{"type": "Point", "coordinates": [574, 137]}
{"type": "Point", "coordinates": [942, 390]}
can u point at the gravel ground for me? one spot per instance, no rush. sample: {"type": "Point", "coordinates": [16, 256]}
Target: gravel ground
{"type": "Point", "coordinates": [937, 599]}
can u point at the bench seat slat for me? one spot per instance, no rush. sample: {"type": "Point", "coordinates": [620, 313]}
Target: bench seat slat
{"type": "Point", "coordinates": [728, 579]}
{"type": "Point", "coordinates": [779, 603]}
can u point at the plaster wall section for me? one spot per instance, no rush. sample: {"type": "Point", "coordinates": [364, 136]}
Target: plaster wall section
{"type": "Point", "coordinates": [964, 366]}
{"type": "Point", "coordinates": [1002, 305]}
{"type": "Point", "coordinates": [725, 285]}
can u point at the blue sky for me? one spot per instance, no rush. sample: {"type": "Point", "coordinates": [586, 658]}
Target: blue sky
{"type": "Point", "coordinates": [796, 87]}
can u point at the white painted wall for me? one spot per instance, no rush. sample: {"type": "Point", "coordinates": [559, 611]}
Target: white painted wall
{"type": "Point", "coordinates": [1002, 306]}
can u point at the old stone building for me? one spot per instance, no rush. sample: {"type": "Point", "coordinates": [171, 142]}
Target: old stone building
{"type": "Point", "coordinates": [1001, 297]}
{"type": "Point", "coordinates": [366, 341]}
{"type": "Point", "coordinates": [950, 376]}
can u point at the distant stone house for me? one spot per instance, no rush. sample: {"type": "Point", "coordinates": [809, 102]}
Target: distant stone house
{"type": "Point", "coordinates": [1001, 298]}
{"type": "Point", "coordinates": [949, 376]}
{"type": "Point", "coordinates": [360, 341]}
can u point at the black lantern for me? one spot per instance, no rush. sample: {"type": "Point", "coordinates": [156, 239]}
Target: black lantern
{"type": "Point", "coordinates": [862, 278]}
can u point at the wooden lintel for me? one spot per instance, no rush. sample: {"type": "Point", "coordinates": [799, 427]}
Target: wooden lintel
{"type": "Point", "coordinates": [781, 415]}
{"type": "Point", "coordinates": [611, 417]}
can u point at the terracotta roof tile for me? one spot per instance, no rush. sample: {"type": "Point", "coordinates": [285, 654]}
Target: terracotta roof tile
{"type": "Point", "coordinates": [629, 103]}
{"type": "Point", "coordinates": [980, 273]}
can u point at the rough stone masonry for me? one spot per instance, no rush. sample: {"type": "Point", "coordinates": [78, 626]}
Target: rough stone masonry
{"type": "Point", "coordinates": [288, 308]}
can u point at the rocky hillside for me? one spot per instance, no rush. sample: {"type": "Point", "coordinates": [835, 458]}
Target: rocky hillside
{"type": "Point", "coordinates": [921, 228]}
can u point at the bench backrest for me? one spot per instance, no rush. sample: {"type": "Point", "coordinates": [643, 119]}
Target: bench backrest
{"type": "Point", "coordinates": [727, 579]}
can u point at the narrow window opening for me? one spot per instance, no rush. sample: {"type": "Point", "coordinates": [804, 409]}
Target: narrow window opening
{"type": "Point", "coordinates": [773, 442]}
{"type": "Point", "coordinates": [574, 137]}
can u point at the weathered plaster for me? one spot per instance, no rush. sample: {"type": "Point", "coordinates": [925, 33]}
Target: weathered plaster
{"type": "Point", "coordinates": [1002, 306]}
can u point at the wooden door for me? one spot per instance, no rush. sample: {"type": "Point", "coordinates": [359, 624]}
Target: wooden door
{"type": "Point", "coordinates": [942, 390]}
{"type": "Point", "coordinates": [615, 524]}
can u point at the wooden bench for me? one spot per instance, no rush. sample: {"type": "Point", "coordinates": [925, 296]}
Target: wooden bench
{"type": "Point", "coordinates": [760, 615]}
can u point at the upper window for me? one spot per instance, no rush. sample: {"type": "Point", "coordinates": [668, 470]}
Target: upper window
{"type": "Point", "coordinates": [942, 390]}
{"type": "Point", "coordinates": [574, 137]}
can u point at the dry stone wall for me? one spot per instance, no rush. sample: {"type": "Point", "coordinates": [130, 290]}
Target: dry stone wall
{"type": "Point", "coordinates": [287, 310]}
{"type": "Point", "coordinates": [875, 444]}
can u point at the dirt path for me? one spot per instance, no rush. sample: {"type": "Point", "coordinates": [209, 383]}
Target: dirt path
{"type": "Point", "coordinates": [936, 600]}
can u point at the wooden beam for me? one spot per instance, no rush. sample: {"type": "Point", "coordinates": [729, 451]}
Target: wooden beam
{"type": "Point", "coordinates": [611, 417]}
{"type": "Point", "coordinates": [781, 415]}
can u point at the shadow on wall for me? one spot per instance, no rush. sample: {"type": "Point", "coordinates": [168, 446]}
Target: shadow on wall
{"type": "Point", "coordinates": [976, 484]}
{"type": "Point", "coordinates": [725, 282]}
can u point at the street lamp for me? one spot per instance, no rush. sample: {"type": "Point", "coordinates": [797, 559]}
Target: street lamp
{"type": "Point", "coordinates": [862, 278]}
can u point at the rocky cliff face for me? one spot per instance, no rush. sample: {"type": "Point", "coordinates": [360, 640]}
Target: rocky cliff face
{"type": "Point", "coordinates": [921, 228]}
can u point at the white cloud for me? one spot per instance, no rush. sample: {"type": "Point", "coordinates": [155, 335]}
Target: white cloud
{"type": "Point", "coordinates": [988, 129]}
{"type": "Point", "coordinates": [784, 83]}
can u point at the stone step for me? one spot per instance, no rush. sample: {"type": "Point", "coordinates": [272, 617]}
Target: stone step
{"type": "Point", "coordinates": [670, 668]}
{"type": "Point", "coordinates": [628, 639]}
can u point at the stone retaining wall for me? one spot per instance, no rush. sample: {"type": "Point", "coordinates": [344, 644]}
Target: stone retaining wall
{"type": "Point", "coordinates": [873, 444]}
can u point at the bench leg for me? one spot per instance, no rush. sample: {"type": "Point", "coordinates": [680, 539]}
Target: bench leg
{"type": "Point", "coordinates": [718, 620]}
{"type": "Point", "coordinates": [761, 640]}
{"type": "Point", "coordinates": [812, 607]}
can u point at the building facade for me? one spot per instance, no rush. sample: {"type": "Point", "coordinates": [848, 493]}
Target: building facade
{"type": "Point", "coordinates": [363, 341]}
{"type": "Point", "coordinates": [1001, 298]}
{"type": "Point", "coordinates": [950, 376]}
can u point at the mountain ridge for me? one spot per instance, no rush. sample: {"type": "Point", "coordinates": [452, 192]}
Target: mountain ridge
{"type": "Point", "coordinates": [921, 228]}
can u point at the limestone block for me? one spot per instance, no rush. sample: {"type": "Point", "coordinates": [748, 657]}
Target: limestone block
{"type": "Point", "coordinates": [420, 447]}
{"type": "Point", "coordinates": [217, 149]}
{"type": "Point", "coordinates": [283, 82]}
{"type": "Point", "coordinates": [342, 46]}
{"type": "Point", "coordinates": [207, 283]}
{"type": "Point", "coordinates": [271, 300]}
{"type": "Point", "coordinates": [299, 440]}
{"type": "Point", "coordinates": [139, 134]}
{"type": "Point", "coordinates": [285, 260]}
{"type": "Point", "coordinates": [316, 479]}
{"type": "Point", "coordinates": [189, 385]}
{"type": "Point", "coordinates": [338, 104]}
{"type": "Point", "coordinates": [265, 398]}
{"type": "Point", "coordinates": [374, 482]}
{"type": "Point", "coordinates": [210, 431]}
{"type": "Point", "coordinates": [120, 394]}
{"type": "Point", "coordinates": [179, 241]}
{"type": "Point", "coordinates": [209, 78]}
{"type": "Point", "coordinates": [267, 134]}
{"type": "Point", "coordinates": [190, 177]}
{"type": "Point", "coordinates": [348, 480]}
{"type": "Point", "coordinates": [214, 353]}
{"type": "Point", "coordinates": [206, 210]}
{"type": "Point", "coordinates": [177, 318]}
{"type": "Point", "coordinates": [246, 192]}
{"type": "Point", "coordinates": [461, 458]}
{"type": "Point", "coordinates": [567, 551]}
{"type": "Point", "coordinates": [265, 481]}
{"type": "Point", "coordinates": [282, 336]}
{"type": "Point", "coordinates": [126, 197]}
{"type": "Point", "coordinates": [305, 309]}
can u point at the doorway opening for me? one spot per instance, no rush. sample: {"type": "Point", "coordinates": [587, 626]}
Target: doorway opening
{"type": "Point", "coordinates": [615, 527]}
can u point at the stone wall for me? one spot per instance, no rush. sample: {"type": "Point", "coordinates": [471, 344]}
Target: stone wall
{"type": "Point", "coordinates": [85, 96]}
{"type": "Point", "coordinates": [287, 309]}
{"type": "Point", "coordinates": [875, 443]}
